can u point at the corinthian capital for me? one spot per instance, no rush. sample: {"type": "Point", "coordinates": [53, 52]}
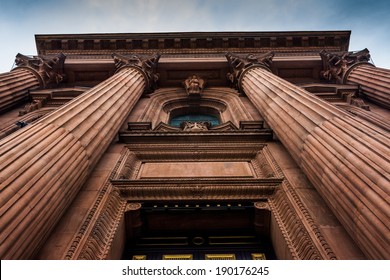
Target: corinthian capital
{"type": "Point", "coordinates": [147, 65]}
{"type": "Point", "coordinates": [49, 69]}
{"type": "Point", "coordinates": [336, 65]}
{"type": "Point", "coordinates": [239, 64]}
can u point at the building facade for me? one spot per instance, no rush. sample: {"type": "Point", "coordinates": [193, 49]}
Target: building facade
{"type": "Point", "coordinates": [216, 145]}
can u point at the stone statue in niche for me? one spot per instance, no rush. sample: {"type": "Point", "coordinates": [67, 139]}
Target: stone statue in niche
{"type": "Point", "coordinates": [194, 85]}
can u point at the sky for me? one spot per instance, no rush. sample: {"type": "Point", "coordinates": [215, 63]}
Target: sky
{"type": "Point", "coordinates": [20, 20]}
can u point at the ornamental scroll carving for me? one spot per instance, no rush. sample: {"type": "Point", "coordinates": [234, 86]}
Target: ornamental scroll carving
{"type": "Point", "coordinates": [335, 66]}
{"type": "Point", "coordinates": [195, 126]}
{"type": "Point", "coordinates": [49, 69]}
{"type": "Point", "coordinates": [239, 64]}
{"type": "Point", "coordinates": [147, 65]}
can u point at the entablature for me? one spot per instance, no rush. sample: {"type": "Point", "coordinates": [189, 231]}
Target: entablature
{"type": "Point", "coordinates": [88, 56]}
{"type": "Point", "coordinates": [193, 42]}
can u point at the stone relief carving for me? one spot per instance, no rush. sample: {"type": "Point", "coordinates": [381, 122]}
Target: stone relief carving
{"type": "Point", "coordinates": [49, 69]}
{"type": "Point", "coordinates": [195, 126]}
{"type": "Point", "coordinates": [336, 65]}
{"type": "Point", "coordinates": [147, 65]}
{"type": "Point", "coordinates": [239, 64]}
{"type": "Point", "coordinates": [194, 85]}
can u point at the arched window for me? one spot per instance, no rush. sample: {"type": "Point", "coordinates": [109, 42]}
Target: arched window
{"type": "Point", "coordinates": [176, 121]}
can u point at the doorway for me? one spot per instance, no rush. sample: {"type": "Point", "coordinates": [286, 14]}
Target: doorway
{"type": "Point", "coordinates": [208, 230]}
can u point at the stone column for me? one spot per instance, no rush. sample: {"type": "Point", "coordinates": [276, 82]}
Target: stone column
{"type": "Point", "coordinates": [354, 68]}
{"type": "Point", "coordinates": [262, 218]}
{"type": "Point", "coordinates": [374, 82]}
{"type": "Point", "coordinates": [31, 73]}
{"type": "Point", "coordinates": [346, 160]}
{"type": "Point", "coordinates": [43, 166]}
{"type": "Point", "coordinates": [133, 221]}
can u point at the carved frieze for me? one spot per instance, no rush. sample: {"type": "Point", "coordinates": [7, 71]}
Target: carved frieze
{"type": "Point", "coordinates": [147, 65]}
{"type": "Point", "coordinates": [50, 70]}
{"type": "Point", "coordinates": [336, 65]}
{"type": "Point", "coordinates": [182, 189]}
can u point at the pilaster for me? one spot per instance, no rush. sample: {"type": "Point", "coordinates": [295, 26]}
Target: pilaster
{"type": "Point", "coordinates": [43, 166]}
{"type": "Point", "coordinates": [346, 160]}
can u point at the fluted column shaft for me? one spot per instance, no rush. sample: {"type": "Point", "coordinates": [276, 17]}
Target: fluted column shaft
{"type": "Point", "coordinates": [43, 166]}
{"type": "Point", "coordinates": [374, 82]}
{"type": "Point", "coordinates": [347, 161]}
{"type": "Point", "coordinates": [14, 86]}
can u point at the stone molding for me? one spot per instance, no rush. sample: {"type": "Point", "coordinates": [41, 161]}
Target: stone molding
{"type": "Point", "coordinates": [194, 41]}
{"type": "Point", "coordinates": [98, 244]}
{"type": "Point", "coordinates": [223, 102]}
{"type": "Point", "coordinates": [80, 239]}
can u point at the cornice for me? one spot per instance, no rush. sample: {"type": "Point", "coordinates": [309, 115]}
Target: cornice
{"type": "Point", "coordinates": [202, 42]}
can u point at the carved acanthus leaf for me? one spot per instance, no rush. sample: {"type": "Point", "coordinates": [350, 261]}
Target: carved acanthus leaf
{"type": "Point", "coordinates": [50, 69]}
{"type": "Point", "coordinates": [336, 65]}
{"type": "Point", "coordinates": [239, 64]}
{"type": "Point", "coordinates": [147, 65]}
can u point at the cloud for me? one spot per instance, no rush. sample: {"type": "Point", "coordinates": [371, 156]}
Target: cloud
{"type": "Point", "coordinates": [21, 19]}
